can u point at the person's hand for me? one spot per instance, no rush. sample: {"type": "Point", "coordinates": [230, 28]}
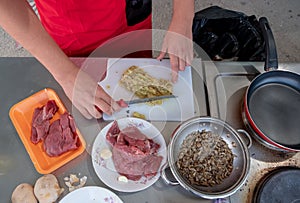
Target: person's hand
{"type": "Point", "coordinates": [179, 45]}
{"type": "Point", "coordinates": [19, 20]}
{"type": "Point", "coordinates": [178, 41]}
{"type": "Point", "coordinates": [87, 96]}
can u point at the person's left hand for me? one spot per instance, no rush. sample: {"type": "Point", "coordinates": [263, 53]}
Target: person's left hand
{"type": "Point", "coordinates": [179, 45]}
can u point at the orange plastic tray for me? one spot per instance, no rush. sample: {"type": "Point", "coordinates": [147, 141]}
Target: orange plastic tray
{"type": "Point", "coordinates": [21, 116]}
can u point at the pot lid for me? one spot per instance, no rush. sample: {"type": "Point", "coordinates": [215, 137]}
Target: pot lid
{"type": "Point", "coordinates": [280, 185]}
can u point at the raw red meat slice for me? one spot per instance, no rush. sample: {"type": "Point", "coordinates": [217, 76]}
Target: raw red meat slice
{"type": "Point", "coordinates": [133, 163]}
{"type": "Point", "coordinates": [41, 121]}
{"type": "Point", "coordinates": [134, 155]}
{"type": "Point", "coordinates": [112, 133]}
{"type": "Point", "coordinates": [61, 137]}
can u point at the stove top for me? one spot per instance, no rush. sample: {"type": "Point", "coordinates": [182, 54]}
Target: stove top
{"type": "Point", "coordinates": [226, 84]}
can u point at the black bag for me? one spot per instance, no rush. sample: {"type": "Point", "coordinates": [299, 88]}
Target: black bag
{"type": "Point", "coordinates": [226, 34]}
{"type": "Point", "coordinates": [137, 11]}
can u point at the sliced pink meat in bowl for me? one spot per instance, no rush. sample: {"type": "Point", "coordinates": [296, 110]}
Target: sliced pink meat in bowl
{"type": "Point", "coordinates": [137, 151]}
{"type": "Point", "coordinates": [134, 155]}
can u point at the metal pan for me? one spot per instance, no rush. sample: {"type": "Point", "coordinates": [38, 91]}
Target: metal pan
{"type": "Point", "coordinates": [272, 101]}
{"type": "Point", "coordinates": [280, 185]}
{"type": "Point", "coordinates": [241, 162]}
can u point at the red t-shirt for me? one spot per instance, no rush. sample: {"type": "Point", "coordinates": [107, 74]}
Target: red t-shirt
{"type": "Point", "coordinates": [80, 26]}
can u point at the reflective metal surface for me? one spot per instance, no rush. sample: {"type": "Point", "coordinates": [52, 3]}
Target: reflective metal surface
{"type": "Point", "coordinates": [226, 84]}
{"type": "Point", "coordinates": [241, 161]}
{"type": "Point", "coordinates": [20, 78]}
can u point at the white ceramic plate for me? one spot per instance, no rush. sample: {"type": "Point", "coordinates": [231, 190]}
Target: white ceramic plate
{"type": "Point", "coordinates": [105, 169]}
{"type": "Point", "coordinates": [91, 194]}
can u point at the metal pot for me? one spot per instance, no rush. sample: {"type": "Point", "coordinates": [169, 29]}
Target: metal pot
{"type": "Point", "coordinates": [241, 162]}
{"type": "Point", "coordinates": [258, 138]}
{"type": "Point", "coordinates": [271, 105]}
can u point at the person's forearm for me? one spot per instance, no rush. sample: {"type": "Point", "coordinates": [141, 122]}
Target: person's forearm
{"type": "Point", "coordinates": [183, 11]}
{"type": "Point", "coordinates": [178, 40]}
{"type": "Point", "coordinates": [18, 19]}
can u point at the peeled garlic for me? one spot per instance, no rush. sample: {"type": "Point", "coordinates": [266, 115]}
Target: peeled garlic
{"type": "Point", "coordinates": [123, 179]}
{"type": "Point", "coordinates": [105, 153]}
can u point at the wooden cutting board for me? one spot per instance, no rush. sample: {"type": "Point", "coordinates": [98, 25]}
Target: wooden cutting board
{"type": "Point", "coordinates": [178, 109]}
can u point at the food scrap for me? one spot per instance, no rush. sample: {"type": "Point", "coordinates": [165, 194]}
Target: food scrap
{"type": "Point", "coordinates": [138, 115]}
{"type": "Point", "coordinates": [155, 102]}
{"type": "Point", "coordinates": [73, 182]}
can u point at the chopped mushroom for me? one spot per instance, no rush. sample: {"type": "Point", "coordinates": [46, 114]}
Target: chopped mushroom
{"type": "Point", "coordinates": [205, 159]}
{"type": "Point", "coordinates": [138, 115]}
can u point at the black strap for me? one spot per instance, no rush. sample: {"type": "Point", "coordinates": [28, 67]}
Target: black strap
{"type": "Point", "coordinates": [137, 11]}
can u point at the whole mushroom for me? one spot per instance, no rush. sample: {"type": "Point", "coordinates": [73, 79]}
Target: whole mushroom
{"type": "Point", "coordinates": [47, 189]}
{"type": "Point", "coordinates": [23, 193]}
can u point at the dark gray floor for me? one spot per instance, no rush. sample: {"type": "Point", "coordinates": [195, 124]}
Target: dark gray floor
{"type": "Point", "coordinates": [284, 17]}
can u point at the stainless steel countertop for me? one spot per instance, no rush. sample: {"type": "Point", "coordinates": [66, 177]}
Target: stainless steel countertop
{"type": "Point", "coordinates": [226, 85]}
{"type": "Point", "coordinates": [20, 78]}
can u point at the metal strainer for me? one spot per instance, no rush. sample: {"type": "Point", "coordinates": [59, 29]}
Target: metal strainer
{"type": "Point", "coordinates": [241, 162]}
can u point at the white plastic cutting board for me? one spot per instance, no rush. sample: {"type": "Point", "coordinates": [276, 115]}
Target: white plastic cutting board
{"type": "Point", "coordinates": [178, 109]}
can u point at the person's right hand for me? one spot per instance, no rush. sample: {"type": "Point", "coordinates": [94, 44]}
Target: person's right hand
{"type": "Point", "coordinates": [87, 96]}
{"type": "Point", "coordinates": [19, 20]}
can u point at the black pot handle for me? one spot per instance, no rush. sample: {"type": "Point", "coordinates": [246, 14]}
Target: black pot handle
{"type": "Point", "coordinates": [271, 62]}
